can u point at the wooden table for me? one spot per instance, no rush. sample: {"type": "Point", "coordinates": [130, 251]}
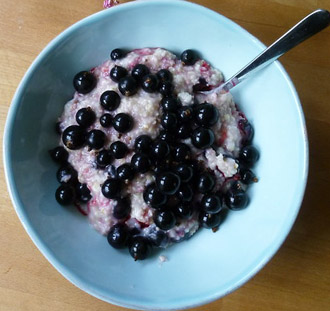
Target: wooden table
{"type": "Point", "coordinates": [297, 278]}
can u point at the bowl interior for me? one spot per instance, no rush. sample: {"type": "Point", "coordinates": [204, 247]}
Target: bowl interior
{"type": "Point", "coordinates": [209, 265]}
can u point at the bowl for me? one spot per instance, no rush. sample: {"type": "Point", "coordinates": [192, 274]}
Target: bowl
{"type": "Point", "coordinates": [210, 265]}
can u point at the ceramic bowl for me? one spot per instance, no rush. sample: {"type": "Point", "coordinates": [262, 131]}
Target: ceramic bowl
{"type": "Point", "coordinates": [210, 265]}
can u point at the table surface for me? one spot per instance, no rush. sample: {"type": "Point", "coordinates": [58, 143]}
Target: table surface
{"type": "Point", "coordinates": [297, 278]}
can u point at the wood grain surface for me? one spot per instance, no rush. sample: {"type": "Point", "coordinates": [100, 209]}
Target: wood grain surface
{"type": "Point", "coordinates": [297, 278]}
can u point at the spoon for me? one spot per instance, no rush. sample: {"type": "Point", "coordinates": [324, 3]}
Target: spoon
{"type": "Point", "coordinates": [307, 27]}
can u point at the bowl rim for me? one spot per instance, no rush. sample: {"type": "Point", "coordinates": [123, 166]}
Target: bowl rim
{"type": "Point", "coordinates": [19, 206]}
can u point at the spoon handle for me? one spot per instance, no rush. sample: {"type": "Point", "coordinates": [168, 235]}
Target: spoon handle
{"type": "Point", "coordinates": [309, 26]}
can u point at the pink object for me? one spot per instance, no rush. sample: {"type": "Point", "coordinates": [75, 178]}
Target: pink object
{"type": "Point", "coordinates": [109, 3]}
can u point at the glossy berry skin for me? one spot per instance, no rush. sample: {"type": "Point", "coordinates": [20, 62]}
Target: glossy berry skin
{"type": "Point", "coordinates": [139, 248]}
{"type": "Point", "coordinates": [181, 152]}
{"type": "Point", "coordinates": [118, 236]}
{"type": "Point", "coordinates": [66, 174]}
{"type": "Point", "coordinates": [164, 219]}
{"type": "Point", "coordinates": [211, 203]}
{"type": "Point", "coordinates": [202, 138]}
{"type": "Point", "coordinates": [117, 73]}
{"type": "Point", "coordinates": [246, 130]}
{"type": "Point", "coordinates": [236, 199]}
{"type": "Point", "coordinates": [140, 163]}
{"type": "Point", "coordinates": [248, 155]}
{"type": "Point", "coordinates": [160, 149]}
{"type": "Point", "coordinates": [122, 123]}
{"type": "Point", "coordinates": [103, 158]}
{"type": "Point", "coordinates": [185, 114]}
{"type": "Point", "coordinates": [158, 238]}
{"type": "Point", "coordinates": [189, 57]}
{"type": "Point", "coordinates": [184, 131]}
{"type": "Point", "coordinates": [82, 193]}
{"type": "Point", "coordinates": [210, 221]}
{"type": "Point", "coordinates": [127, 86]}
{"type": "Point", "coordinates": [206, 115]}
{"type": "Point", "coordinates": [117, 54]}
{"type": "Point", "coordinates": [122, 208]}
{"type": "Point", "coordinates": [110, 100]}
{"type": "Point", "coordinates": [143, 144]}
{"type": "Point", "coordinates": [184, 171]}
{"type": "Point", "coordinates": [125, 172]}
{"type": "Point", "coordinates": [106, 120]}
{"type": "Point", "coordinates": [165, 88]}
{"type": "Point", "coordinates": [166, 136]}
{"type": "Point", "coordinates": [85, 117]}
{"type": "Point", "coordinates": [168, 183]}
{"type": "Point", "coordinates": [65, 194]}
{"type": "Point", "coordinates": [170, 104]}
{"type": "Point", "coordinates": [185, 193]}
{"type": "Point", "coordinates": [153, 196]}
{"type": "Point", "coordinates": [84, 82]}
{"type": "Point", "coordinates": [73, 137]}
{"type": "Point", "coordinates": [247, 176]}
{"type": "Point", "coordinates": [118, 149]}
{"type": "Point", "coordinates": [183, 210]}
{"type": "Point", "coordinates": [149, 83]}
{"type": "Point", "coordinates": [139, 71]}
{"type": "Point", "coordinates": [95, 139]}
{"type": "Point", "coordinates": [59, 155]}
{"type": "Point", "coordinates": [205, 183]}
{"type": "Point", "coordinates": [164, 75]}
{"type": "Point", "coordinates": [169, 121]}
{"type": "Point", "coordinates": [111, 188]}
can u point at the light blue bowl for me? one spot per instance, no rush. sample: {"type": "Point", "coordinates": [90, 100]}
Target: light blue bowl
{"type": "Point", "coordinates": [209, 265]}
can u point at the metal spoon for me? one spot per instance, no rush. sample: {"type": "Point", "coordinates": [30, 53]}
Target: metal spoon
{"type": "Point", "coordinates": [309, 26]}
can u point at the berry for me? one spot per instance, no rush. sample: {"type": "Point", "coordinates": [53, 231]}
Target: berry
{"type": "Point", "coordinates": [248, 155]}
{"type": "Point", "coordinates": [125, 172]}
{"type": "Point", "coordinates": [117, 73]}
{"type": "Point", "coordinates": [117, 54]}
{"type": "Point", "coordinates": [73, 137]}
{"type": "Point", "coordinates": [246, 131]}
{"type": "Point", "coordinates": [111, 188]}
{"type": "Point", "coordinates": [169, 121]}
{"type": "Point", "coordinates": [183, 210]}
{"type": "Point", "coordinates": [58, 128]}
{"type": "Point", "coordinates": [106, 120]}
{"type": "Point", "coordinates": [236, 199]}
{"type": "Point", "coordinates": [139, 248]}
{"type": "Point", "coordinates": [118, 149]}
{"type": "Point", "coordinates": [211, 203]}
{"type": "Point", "coordinates": [205, 182]}
{"type": "Point", "coordinates": [165, 88]}
{"type": "Point", "coordinates": [160, 149]}
{"type": "Point", "coordinates": [103, 158]}
{"type": "Point", "coordinates": [140, 163]}
{"type": "Point", "coordinates": [153, 196]}
{"type": "Point", "coordinates": [139, 71]}
{"type": "Point", "coordinates": [164, 219]}
{"type": "Point", "coordinates": [202, 138]}
{"type": "Point", "coordinates": [149, 83]}
{"type": "Point", "coordinates": [185, 193]}
{"type": "Point", "coordinates": [181, 152]}
{"type": "Point", "coordinates": [158, 238]}
{"type": "Point", "coordinates": [122, 123]}
{"type": "Point", "coordinates": [85, 117]}
{"type": "Point", "coordinates": [118, 236]}
{"type": "Point", "coordinates": [59, 154]}
{"type": "Point", "coordinates": [164, 75]}
{"type": "Point", "coordinates": [206, 115]}
{"type": "Point", "coordinates": [184, 131]}
{"type": "Point", "coordinates": [127, 86]}
{"type": "Point", "coordinates": [82, 193]}
{"type": "Point", "coordinates": [65, 194]}
{"type": "Point", "coordinates": [189, 57]}
{"type": "Point", "coordinates": [165, 135]}
{"type": "Point", "coordinates": [95, 139]}
{"type": "Point", "coordinates": [143, 144]}
{"type": "Point", "coordinates": [110, 100]}
{"type": "Point", "coordinates": [168, 183]}
{"type": "Point", "coordinates": [210, 221]}
{"type": "Point", "coordinates": [66, 174]}
{"type": "Point", "coordinates": [170, 104]}
{"type": "Point", "coordinates": [247, 176]}
{"type": "Point", "coordinates": [185, 114]}
{"type": "Point", "coordinates": [84, 82]}
{"type": "Point", "coordinates": [122, 208]}
{"type": "Point", "coordinates": [184, 171]}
